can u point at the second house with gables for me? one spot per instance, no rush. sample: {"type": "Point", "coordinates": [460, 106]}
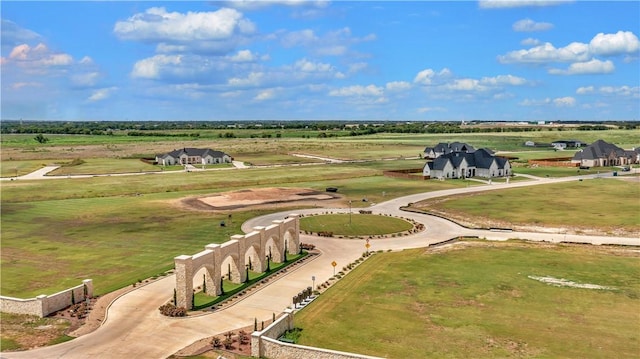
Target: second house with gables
{"type": "Point", "coordinates": [466, 164]}
{"type": "Point", "coordinates": [193, 156]}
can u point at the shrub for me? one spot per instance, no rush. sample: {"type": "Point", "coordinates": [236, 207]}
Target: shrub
{"type": "Point", "coordinates": [171, 310]}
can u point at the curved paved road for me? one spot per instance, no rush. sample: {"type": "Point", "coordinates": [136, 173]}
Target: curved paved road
{"type": "Point", "coordinates": [135, 328]}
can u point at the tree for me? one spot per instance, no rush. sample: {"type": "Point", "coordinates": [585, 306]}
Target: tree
{"type": "Point", "coordinates": [41, 139]}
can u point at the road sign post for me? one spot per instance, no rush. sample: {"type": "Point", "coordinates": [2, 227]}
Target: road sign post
{"type": "Point", "coordinates": [334, 264]}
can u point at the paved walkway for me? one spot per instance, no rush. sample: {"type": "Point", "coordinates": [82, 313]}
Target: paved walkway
{"type": "Point", "coordinates": [135, 328]}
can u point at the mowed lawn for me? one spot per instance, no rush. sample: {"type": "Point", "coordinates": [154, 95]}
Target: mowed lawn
{"type": "Point", "coordinates": [479, 302]}
{"type": "Point", "coordinates": [605, 204]}
{"type": "Point", "coordinates": [355, 224]}
{"type": "Point", "coordinates": [51, 245]}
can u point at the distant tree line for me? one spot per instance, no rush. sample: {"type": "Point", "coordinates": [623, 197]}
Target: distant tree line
{"type": "Point", "coordinates": [357, 128]}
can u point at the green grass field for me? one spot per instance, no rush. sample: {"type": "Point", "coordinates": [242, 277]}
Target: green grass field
{"type": "Point", "coordinates": [608, 204]}
{"type": "Point", "coordinates": [66, 222]}
{"type": "Point", "coordinates": [117, 231]}
{"type": "Point", "coordinates": [355, 224]}
{"type": "Point", "coordinates": [479, 303]}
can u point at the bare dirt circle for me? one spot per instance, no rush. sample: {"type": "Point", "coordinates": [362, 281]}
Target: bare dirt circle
{"type": "Point", "coordinates": [259, 198]}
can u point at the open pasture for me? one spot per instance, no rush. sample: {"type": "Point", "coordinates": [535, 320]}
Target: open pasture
{"type": "Point", "coordinates": [117, 230]}
{"type": "Point", "coordinates": [479, 302]}
{"type": "Point", "coordinates": [608, 205]}
{"type": "Point", "coordinates": [67, 221]}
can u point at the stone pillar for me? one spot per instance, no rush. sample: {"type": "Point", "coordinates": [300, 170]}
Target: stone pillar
{"type": "Point", "coordinates": [295, 246]}
{"type": "Point", "coordinates": [242, 252]}
{"type": "Point", "coordinates": [262, 251]}
{"type": "Point", "coordinates": [278, 257]}
{"type": "Point", "coordinates": [43, 305]}
{"type": "Point", "coordinates": [184, 280]}
{"type": "Point", "coordinates": [256, 345]}
{"type": "Point", "coordinates": [216, 272]}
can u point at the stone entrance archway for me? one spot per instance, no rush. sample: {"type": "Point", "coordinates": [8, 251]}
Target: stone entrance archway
{"type": "Point", "coordinates": [281, 234]}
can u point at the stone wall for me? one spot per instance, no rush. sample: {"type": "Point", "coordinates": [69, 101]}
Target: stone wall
{"type": "Point", "coordinates": [265, 344]}
{"type": "Point", "coordinates": [44, 305]}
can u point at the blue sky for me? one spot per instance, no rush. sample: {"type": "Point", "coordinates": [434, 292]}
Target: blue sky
{"type": "Point", "coordinates": [320, 60]}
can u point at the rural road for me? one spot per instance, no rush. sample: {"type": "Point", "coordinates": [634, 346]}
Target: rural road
{"type": "Point", "coordinates": [135, 328]}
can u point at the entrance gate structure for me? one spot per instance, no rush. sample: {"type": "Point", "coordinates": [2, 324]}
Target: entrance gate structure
{"type": "Point", "coordinates": [252, 249]}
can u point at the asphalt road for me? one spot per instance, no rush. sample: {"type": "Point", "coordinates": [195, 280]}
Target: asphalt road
{"type": "Point", "coordinates": [135, 328]}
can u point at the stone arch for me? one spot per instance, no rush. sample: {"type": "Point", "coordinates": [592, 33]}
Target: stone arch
{"type": "Point", "coordinates": [253, 258]}
{"type": "Point", "coordinates": [230, 268]}
{"type": "Point", "coordinates": [273, 250]}
{"type": "Point", "coordinates": [291, 241]}
{"type": "Point", "coordinates": [232, 256]}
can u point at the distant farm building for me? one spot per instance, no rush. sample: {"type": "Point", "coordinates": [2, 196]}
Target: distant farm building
{"type": "Point", "coordinates": [193, 156]}
{"type": "Point", "coordinates": [564, 144]}
{"type": "Point", "coordinates": [602, 154]}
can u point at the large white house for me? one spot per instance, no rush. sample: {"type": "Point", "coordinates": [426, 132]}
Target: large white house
{"type": "Point", "coordinates": [193, 156]}
{"type": "Point", "coordinates": [476, 163]}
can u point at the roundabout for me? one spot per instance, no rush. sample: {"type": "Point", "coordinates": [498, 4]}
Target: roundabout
{"type": "Point", "coordinates": [348, 225]}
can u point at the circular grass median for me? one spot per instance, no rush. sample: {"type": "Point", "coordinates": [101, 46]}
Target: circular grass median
{"type": "Point", "coordinates": [355, 224]}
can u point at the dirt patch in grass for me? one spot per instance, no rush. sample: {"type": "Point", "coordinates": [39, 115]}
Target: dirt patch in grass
{"type": "Point", "coordinates": [258, 198]}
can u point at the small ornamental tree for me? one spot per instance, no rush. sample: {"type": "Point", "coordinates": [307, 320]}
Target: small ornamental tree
{"type": "Point", "coordinates": [204, 283]}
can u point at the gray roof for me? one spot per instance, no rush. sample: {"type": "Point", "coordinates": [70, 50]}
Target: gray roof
{"type": "Point", "coordinates": [194, 152]}
{"type": "Point", "coordinates": [444, 147]}
{"type": "Point", "coordinates": [482, 158]}
{"type": "Point", "coordinates": [599, 149]}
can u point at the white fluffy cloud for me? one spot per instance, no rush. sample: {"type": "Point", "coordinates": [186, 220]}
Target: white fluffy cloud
{"type": "Point", "coordinates": [358, 90]}
{"type": "Point", "coordinates": [501, 80]}
{"type": "Point", "coordinates": [38, 56]}
{"type": "Point", "coordinates": [397, 86]}
{"type": "Point", "coordinates": [499, 4]}
{"type": "Point", "coordinates": [214, 31]}
{"type": "Point", "coordinates": [102, 94]}
{"type": "Point", "coordinates": [586, 68]}
{"type": "Point", "coordinates": [619, 91]}
{"type": "Point", "coordinates": [87, 79]}
{"type": "Point", "coordinates": [546, 53]}
{"type": "Point", "coordinates": [528, 25]}
{"type": "Point", "coordinates": [622, 42]}
{"type": "Point", "coordinates": [428, 76]}
{"type": "Point", "coordinates": [243, 56]}
{"type": "Point", "coordinates": [567, 101]}
{"type": "Point", "coordinates": [585, 90]}
{"type": "Point", "coordinates": [305, 65]}
{"type": "Point", "coordinates": [332, 43]}
{"type": "Point", "coordinates": [530, 42]}
{"type": "Point", "coordinates": [250, 5]}
{"type": "Point", "coordinates": [264, 95]}
{"type": "Point", "coordinates": [151, 68]}
{"type": "Point", "coordinates": [444, 80]}
{"type": "Point", "coordinates": [253, 79]}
